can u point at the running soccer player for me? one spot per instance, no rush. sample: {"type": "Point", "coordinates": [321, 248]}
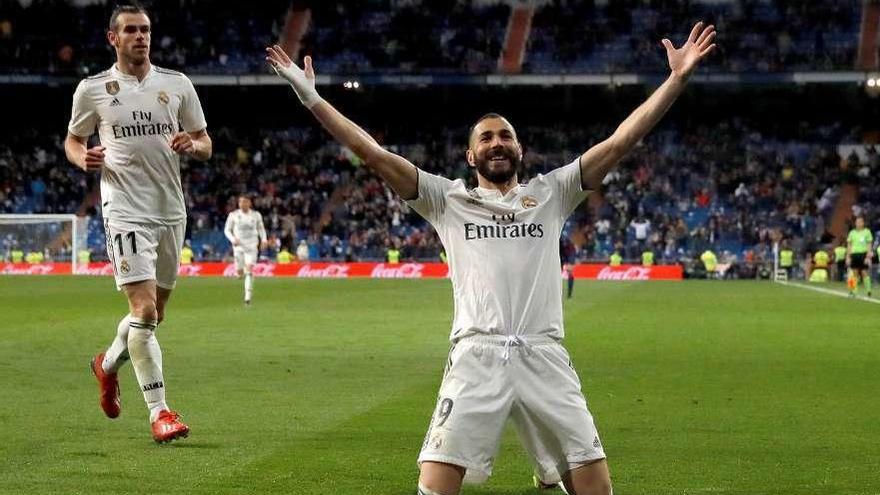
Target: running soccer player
{"type": "Point", "coordinates": [245, 230]}
{"type": "Point", "coordinates": [139, 110]}
{"type": "Point", "coordinates": [858, 256]}
{"type": "Point", "coordinates": [502, 239]}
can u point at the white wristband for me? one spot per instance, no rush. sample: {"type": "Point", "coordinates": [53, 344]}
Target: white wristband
{"type": "Point", "coordinates": [302, 85]}
{"type": "Point", "coordinates": [307, 98]}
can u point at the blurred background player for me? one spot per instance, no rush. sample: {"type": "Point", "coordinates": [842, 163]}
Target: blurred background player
{"type": "Point", "coordinates": [568, 275]}
{"type": "Point", "coordinates": [488, 231]}
{"type": "Point", "coordinates": [138, 109]}
{"type": "Point", "coordinates": [858, 256]}
{"type": "Point", "coordinates": [245, 230]}
{"type": "Point", "coordinates": [567, 268]}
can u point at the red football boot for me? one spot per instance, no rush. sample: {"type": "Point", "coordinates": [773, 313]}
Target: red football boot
{"type": "Point", "coordinates": [108, 385]}
{"type": "Point", "coordinates": [168, 427]}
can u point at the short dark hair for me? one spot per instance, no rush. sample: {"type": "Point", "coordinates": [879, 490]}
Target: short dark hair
{"type": "Point", "coordinates": [125, 9]}
{"type": "Point", "coordinates": [490, 115]}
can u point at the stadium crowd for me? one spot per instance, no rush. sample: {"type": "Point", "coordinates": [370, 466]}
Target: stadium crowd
{"type": "Point", "coordinates": [727, 188]}
{"type": "Point", "coordinates": [60, 37]}
{"type": "Point", "coordinates": [438, 35]}
{"type": "Point", "coordinates": [413, 36]}
{"type": "Point", "coordinates": [733, 188]}
{"type": "Point", "coordinates": [622, 36]}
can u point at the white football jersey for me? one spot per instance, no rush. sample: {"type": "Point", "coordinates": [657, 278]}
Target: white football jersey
{"type": "Point", "coordinates": [503, 250]}
{"type": "Point", "coordinates": [247, 227]}
{"type": "Point", "coordinates": [140, 181]}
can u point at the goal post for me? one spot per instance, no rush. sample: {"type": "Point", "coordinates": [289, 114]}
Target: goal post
{"type": "Point", "coordinates": [59, 237]}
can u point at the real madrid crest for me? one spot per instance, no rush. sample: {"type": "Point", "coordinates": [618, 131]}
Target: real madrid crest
{"type": "Point", "coordinates": [163, 98]}
{"type": "Point", "coordinates": [123, 267]}
{"type": "Point", "coordinates": [529, 202]}
{"type": "Point", "coordinates": [436, 441]}
{"type": "Point", "coordinates": [474, 197]}
{"type": "Point", "coordinates": [112, 87]}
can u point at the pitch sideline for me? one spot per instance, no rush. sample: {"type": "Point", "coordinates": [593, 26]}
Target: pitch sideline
{"type": "Point", "coordinates": [828, 291]}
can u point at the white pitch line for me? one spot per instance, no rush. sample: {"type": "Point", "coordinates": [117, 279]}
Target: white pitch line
{"type": "Point", "coordinates": [829, 291]}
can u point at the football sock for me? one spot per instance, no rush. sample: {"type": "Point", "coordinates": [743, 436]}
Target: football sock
{"type": "Point", "coordinates": [425, 491]}
{"type": "Point", "coordinates": [117, 353]}
{"type": "Point", "coordinates": [146, 359]}
{"type": "Point", "coordinates": [248, 286]}
{"type": "Point", "coordinates": [867, 283]}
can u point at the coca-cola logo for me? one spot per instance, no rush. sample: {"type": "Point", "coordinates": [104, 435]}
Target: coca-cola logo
{"type": "Point", "coordinates": [631, 273]}
{"type": "Point", "coordinates": [406, 270]}
{"type": "Point", "coordinates": [332, 270]}
{"type": "Point", "coordinates": [189, 270]}
{"type": "Point", "coordinates": [38, 269]}
{"type": "Point", "coordinates": [105, 269]}
{"type": "Point", "coordinates": [263, 270]}
{"type": "Point", "coordinates": [258, 270]}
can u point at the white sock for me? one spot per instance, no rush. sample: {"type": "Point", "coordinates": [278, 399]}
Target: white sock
{"type": "Point", "coordinates": [248, 286]}
{"type": "Point", "coordinates": [425, 491]}
{"type": "Point", "coordinates": [146, 359]}
{"type": "Point", "coordinates": [117, 353]}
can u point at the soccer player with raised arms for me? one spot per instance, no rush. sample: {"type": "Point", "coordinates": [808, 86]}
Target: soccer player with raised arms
{"type": "Point", "coordinates": [146, 118]}
{"type": "Point", "coordinates": [502, 240]}
{"type": "Point", "coordinates": [245, 230]}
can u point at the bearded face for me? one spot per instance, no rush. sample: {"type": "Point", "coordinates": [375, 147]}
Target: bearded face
{"type": "Point", "coordinates": [494, 150]}
{"type": "Point", "coordinates": [497, 164]}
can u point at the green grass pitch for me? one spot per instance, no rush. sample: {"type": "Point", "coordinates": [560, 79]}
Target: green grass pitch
{"type": "Point", "coordinates": [327, 386]}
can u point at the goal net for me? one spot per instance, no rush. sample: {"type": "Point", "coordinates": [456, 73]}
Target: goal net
{"type": "Point", "coordinates": [42, 238]}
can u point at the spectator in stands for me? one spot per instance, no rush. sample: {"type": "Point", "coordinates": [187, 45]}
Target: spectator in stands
{"type": "Point", "coordinates": [302, 251]}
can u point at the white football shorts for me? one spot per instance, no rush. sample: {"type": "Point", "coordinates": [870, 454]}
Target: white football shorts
{"type": "Point", "coordinates": [144, 251]}
{"type": "Point", "coordinates": [489, 379]}
{"type": "Point", "coordinates": [245, 256]}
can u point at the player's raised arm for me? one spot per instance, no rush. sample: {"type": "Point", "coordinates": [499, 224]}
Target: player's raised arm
{"type": "Point", "coordinates": [397, 171]}
{"type": "Point", "coordinates": [601, 158]}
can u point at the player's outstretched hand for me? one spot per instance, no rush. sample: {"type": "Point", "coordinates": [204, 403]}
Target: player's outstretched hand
{"type": "Point", "coordinates": [699, 44]}
{"type": "Point", "coordinates": [94, 159]}
{"type": "Point", "coordinates": [302, 81]}
{"type": "Point", "coordinates": [182, 143]}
